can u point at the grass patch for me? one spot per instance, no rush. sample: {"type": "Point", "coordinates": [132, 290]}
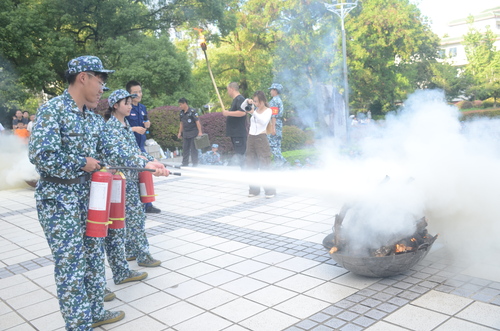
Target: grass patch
{"type": "Point", "coordinates": [301, 155]}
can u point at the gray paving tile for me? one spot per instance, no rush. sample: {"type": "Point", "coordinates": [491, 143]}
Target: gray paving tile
{"type": "Point", "coordinates": [319, 317]}
{"type": "Point", "coordinates": [307, 324]}
{"type": "Point", "coordinates": [376, 314]}
{"type": "Point", "coordinates": [347, 315]}
{"type": "Point", "coordinates": [364, 321]}
{"type": "Point", "coordinates": [387, 307]}
{"type": "Point", "coordinates": [351, 327]}
{"type": "Point", "coordinates": [334, 323]}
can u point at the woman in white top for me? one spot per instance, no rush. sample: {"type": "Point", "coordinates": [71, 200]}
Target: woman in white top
{"type": "Point", "coordinates": [258, 153]}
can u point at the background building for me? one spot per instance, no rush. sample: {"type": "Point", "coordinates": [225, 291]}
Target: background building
{"type": "Point", "coordinates": [452, 42]}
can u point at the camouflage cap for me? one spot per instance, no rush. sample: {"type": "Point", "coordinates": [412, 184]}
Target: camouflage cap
{"type": "Point", "coordinates": [118, 95]}
{"type": "Point", "coordinates": [277, 87]}
{"type": "Point", "coordinates": [86, 63]}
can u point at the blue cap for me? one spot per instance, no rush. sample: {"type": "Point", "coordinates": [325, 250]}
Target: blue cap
{"type": "Point", "coordinates": [118, 95]}
{"type": "Point", "coordinates": [215, 146]}
{"type": "Point", "coordinates": [86, 63]}
{"type": "Point", "coordinates": [277, 87]}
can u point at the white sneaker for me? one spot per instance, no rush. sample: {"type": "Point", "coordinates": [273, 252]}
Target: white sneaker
{"type": "Point", "coordinates": [269, 196]}
{"type": "Point", "coordinates": [251, 195]}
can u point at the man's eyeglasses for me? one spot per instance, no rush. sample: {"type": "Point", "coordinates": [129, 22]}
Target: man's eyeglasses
{"type": "Point", "coordinates": [103, 84]}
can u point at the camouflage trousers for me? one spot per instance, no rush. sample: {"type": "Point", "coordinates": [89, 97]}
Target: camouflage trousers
{"type": "Point", "coordinates": [79, 261]}
{"type": "Point", "coordinates": [115, 251]}
{"type": "Point", "coordinates": [135, 219]}
{"type": "Point", "coordinates": [275, 145]}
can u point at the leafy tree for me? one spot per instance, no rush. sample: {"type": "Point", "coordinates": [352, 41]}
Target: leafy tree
{"type": "Point", "coordinates": [38, 37]}
{"type": "Point", "coordinates": [483, 67]}
{"type": "Point", "coordinates": [244, 55]}
{"type": "Point", "coordinates": [448, 78]}
{"type": "Point", "coordinates": [390, 52]}
{"type": "Point", "coordinates": [163, 70]}
{"type": "Point", "coordinates": [306, 57]}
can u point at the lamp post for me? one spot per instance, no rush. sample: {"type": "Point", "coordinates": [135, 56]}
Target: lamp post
{"type": "Point", "coordinates": [342, 8]}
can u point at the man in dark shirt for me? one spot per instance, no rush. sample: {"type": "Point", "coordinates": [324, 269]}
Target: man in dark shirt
{"type": "Point", "coordinates": [189, 128]}
{"type": "Point", "coordinates": [236, 122]}
{"type": "Point", "coordinates": [139, 123]}
{"type": "Point", "coordinates": [138, 118]}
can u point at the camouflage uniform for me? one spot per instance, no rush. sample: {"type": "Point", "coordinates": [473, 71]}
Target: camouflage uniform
{"type": "Point", "coordinates": [136, 243]}
{"type": "Point", "coordinates": [211, 157]}
{"type": "Point", "coordinates": [275, 140]}
{"type": "Point", "coordinates": [60, 140]}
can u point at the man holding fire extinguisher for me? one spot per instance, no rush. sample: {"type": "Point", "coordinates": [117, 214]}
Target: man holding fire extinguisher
{"type": "Point", "coordinates": [64, 145]}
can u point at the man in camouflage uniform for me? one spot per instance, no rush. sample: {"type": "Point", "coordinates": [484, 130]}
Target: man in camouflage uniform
{"type": "Point", "coordinates": [212, 157]}
{"type": "Point", "coordinates": [277, 124]}
{"type": "Point", "coordinates": [64, 145]}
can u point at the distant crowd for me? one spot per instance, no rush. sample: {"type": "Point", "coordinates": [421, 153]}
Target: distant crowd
{"type": "Point", "coordinates": [22, 124]}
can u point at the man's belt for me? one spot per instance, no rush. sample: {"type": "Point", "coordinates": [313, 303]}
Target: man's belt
{"type": "Point", "coordinates": [78, 180]}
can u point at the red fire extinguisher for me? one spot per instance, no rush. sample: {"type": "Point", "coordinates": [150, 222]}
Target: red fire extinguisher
{"type": "Point", "coordinates": [100, 197]}
{"type": "Point", "coordinates": [117, 208]}
{"type": "Point", "coordinates": [146, 187]}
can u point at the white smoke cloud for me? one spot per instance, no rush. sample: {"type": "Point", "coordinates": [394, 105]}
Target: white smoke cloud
{"type": "Point", "coordinates": [438, 168]}
{"type": "Point", "coordinates": [15, 167]}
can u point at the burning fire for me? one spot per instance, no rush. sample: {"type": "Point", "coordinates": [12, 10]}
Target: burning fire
{"type": "Point", "coordinates": [402, 248]}
{"type": "Point", "coordinates": [201, 39]}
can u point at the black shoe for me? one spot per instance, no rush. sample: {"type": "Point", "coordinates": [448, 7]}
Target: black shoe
{"type": "Point", "coordinates": [153, 210]}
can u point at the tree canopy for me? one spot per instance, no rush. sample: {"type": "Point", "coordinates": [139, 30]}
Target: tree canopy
{"type": "Point", "coordinates": [391, 51]}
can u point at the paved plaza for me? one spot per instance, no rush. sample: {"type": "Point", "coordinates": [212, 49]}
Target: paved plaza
{"type": "Point", "coordinates": [233, 263]}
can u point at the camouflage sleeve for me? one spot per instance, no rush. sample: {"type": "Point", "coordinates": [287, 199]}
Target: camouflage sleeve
{"type": "Point", "coordinates": [116, 149]}
{"type": "Point", "coordinates": [46, 150]}
{"type": "Point", "coordinates": [131, 141]}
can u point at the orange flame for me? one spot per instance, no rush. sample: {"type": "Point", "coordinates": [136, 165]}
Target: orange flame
{"type": "Point", "coordinates": [201, 39]}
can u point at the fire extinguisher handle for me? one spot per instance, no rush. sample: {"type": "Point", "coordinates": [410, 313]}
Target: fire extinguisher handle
{"type": "Point", "coordinates": [171, 165]}
{"type": "Point", "coordinates": [131, 168]}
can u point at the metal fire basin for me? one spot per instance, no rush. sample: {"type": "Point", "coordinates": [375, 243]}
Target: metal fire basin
{"type": "Point", "coordinates": [373, 266]}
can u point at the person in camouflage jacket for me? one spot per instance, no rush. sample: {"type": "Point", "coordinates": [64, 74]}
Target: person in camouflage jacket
{"type": "Point", "coordinates": [64, 145]}
{"type": "Point", "coordinates": [136, 245]}
{"type": "Point", "coordinates": [276, 104]}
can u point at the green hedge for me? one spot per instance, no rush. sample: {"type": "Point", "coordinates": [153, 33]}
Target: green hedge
{"type": "Point", "coordinates": [293, 138]}
{"type": "Point", "coordinates": [165, 126]}
{"type": "Point", "coordinates": [214, 124]}
{"type": "Point", "coordinates": [467, 116]}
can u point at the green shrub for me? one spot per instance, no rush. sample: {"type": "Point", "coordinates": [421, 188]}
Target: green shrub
{"type": "Point", "coordinates": [165, 126]}
{"type": "Point", "coordinates": [293, 138]}
{"type": "Point", "coordinates": [214, 124]}
{"type": "Point", "coordinates": [477, 114]}
{"type": "Point", "coordinates": [464, 105]}
{"type": "Point", "coordinates": [488, 103]}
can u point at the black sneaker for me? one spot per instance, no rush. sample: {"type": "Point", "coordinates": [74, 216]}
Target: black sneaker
{"type": "Point", "coordinates": [109, 317]}
{"type": "Point", "coordinates": [153, 210]}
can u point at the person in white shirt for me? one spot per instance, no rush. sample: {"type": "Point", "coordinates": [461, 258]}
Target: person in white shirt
{"type": "Point", "coordinates": [31, 123]}
{"type": "Point", "coordinates": [258, 152]}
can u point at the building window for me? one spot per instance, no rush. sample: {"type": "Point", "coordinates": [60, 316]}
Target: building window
{"type": "Point", "coordinates": [452, 52]}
